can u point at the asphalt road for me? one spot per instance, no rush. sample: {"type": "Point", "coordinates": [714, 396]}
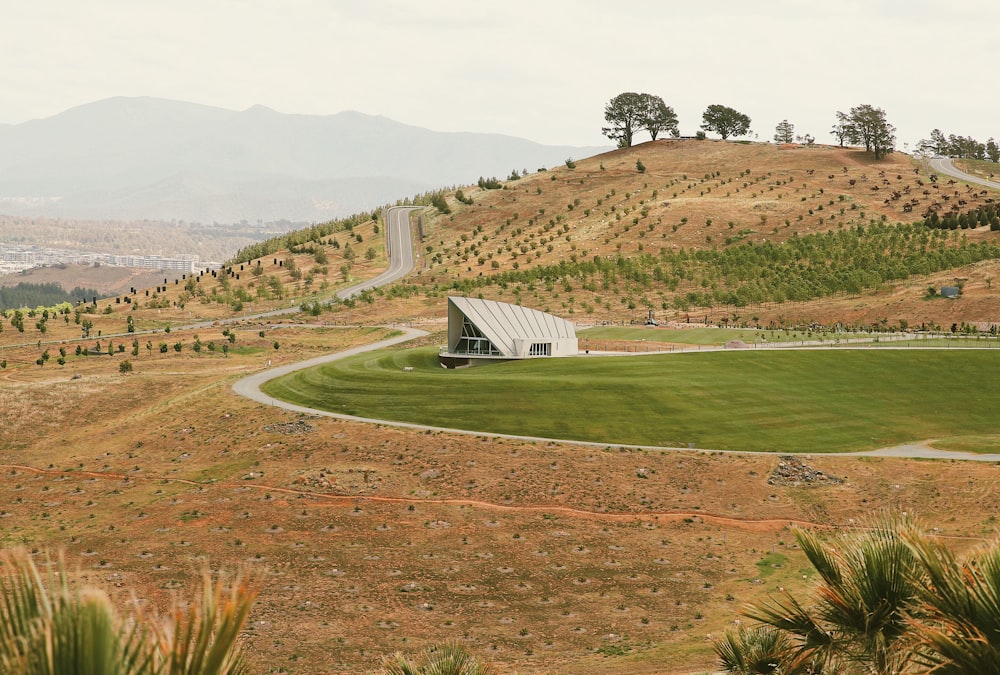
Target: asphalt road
{"type": "Point", "coordinates": [944, 165]}
{"type": "Point", "coordinates": [399, 246]}
{"type": "Point", "coordinates": [250, 386]}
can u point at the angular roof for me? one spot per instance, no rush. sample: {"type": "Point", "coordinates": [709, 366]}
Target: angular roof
{"type": "Point", "coordinates": [503, 323]}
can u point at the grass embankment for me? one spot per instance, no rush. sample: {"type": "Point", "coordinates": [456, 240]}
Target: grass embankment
{"type": "Point", "coordinates": [774, 401]}
{"type": "Point", "coordinates": [713, 336]}
{"type": "Point", "coordinates": [613, 338]}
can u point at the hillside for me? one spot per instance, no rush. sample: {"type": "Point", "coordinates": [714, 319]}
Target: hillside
{"type": "Point", "coordinates": [105, 279]}
{"type": "Point", "coordinates": [701, 231]}
{"type": "Point", "coordinates": [368, 539]}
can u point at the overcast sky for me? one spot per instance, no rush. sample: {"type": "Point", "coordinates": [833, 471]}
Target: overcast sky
{"type": "Point", "coordinates": [537, 69]}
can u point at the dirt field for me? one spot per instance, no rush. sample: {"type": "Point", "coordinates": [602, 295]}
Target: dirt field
{"type": "Point", "coordinates": [368, 539]}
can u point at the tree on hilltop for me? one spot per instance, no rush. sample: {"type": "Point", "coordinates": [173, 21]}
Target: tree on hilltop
{"type": "Point", "coordinates": [965, 147]}
{"type": "Point", "coordinates": [628, 112]}
{"type": "Point", "coordinates": [784, 132]}
{"type": "Point", "coordinates": [867, 125]}
{"type": "Point", "coordinates": [842, 128]}
{"type": "Point", "coordinates": [936, 144]}
{"type": "Point", "coordinates": [658, 117]}
{"type": "Point", "coordinates": [725, 121]}
{"type": "Point", "coordinates": [624, 114]}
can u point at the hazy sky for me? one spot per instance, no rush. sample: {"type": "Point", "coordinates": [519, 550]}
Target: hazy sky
{"type": "Point", "coordinates": [538, 69]}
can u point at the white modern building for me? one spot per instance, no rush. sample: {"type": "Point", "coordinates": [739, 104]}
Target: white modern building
{"type": "Point", "coordinates": [480, 331]}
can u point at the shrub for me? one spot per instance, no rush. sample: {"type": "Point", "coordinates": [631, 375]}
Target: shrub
{"type": "Point", "coordinates": [438, 202]}
{"type": "Point", "coordinates": [489, 183]}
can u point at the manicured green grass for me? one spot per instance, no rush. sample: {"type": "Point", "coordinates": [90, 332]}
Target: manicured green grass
{"type": "Point", "coordinates": [987, 443]}
{"type": "Point", "coordinates": [814, 401]}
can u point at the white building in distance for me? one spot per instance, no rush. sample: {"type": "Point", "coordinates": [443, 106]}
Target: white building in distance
{"type": "Point", "coordinates": [480, 331]}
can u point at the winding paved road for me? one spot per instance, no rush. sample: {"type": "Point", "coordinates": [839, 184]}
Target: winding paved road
{"type": "Point", "coordinates": [944, 165]}
{"type": "Point", "coordinates": [399, 247]}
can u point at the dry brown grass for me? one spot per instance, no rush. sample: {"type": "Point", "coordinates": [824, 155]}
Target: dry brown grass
{"type": "Point", "coordinates": [374, 539]}
{"type": "Point", "coordinates": [692, 195]}
{"type": "Point", "coordinates": [533, 554]}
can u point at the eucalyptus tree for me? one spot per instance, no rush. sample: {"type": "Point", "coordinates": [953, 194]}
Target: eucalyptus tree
{"type": "Point", "coordinates": [658, 117]}
{"type": "Point", "coordinates": [629, 112]}
{"type": "Point", "coordinates": [725, 121]}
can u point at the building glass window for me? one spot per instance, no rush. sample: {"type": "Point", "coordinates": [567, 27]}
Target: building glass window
{"type": "Point", "coordinates": [540, 349]}
{"type": "Point", "coordinates": [474, 342]}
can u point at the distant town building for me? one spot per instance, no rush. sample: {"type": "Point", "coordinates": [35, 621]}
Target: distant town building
{"type": "Point", "coordinates": [15, 259]}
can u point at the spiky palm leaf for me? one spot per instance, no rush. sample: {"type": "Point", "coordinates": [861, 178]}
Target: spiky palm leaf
{"type": "Point", "coordinates": [55, 629]}
{"type": "Point", "coordinates": [959, 622]}
{"type": "Point", "coordinates": [447, 659]}
{"type": "Point", "coordinates": [859, 616]}
{"type": "Point", "coordinates": [50, 627]}
{"type": "Point", "coordinates": [762, 650]}
{"type": "Point", "coordinates": [201, 638]}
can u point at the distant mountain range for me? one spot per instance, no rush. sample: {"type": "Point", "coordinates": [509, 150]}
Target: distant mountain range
{"type": "Point", "coordinates": [133, 158]}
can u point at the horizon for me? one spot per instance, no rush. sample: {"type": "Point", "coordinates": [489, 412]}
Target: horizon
{"type": "Point", "coordinates": [538, 72]}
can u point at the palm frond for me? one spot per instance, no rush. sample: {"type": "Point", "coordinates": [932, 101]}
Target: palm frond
{"type": "Point", "coordinates": [51, 627]}
{"type": "Point", "coordinates": [959, 624]}
{"type": "Point", "coordinates": [200, 639]}
{"type": "Point", "coordinates": [445, 659]}
{"type": "Point", "coordinates": [762, 650]}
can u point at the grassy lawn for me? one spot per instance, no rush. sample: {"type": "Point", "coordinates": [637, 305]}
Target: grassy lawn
{"type": "Point", "coordinates": [739, 400]}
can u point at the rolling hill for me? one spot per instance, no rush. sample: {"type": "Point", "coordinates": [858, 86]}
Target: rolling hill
{"type": "Point", "coordinates": [714, 232]}
{"type": "Point", "coordinates": [368, 539]}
